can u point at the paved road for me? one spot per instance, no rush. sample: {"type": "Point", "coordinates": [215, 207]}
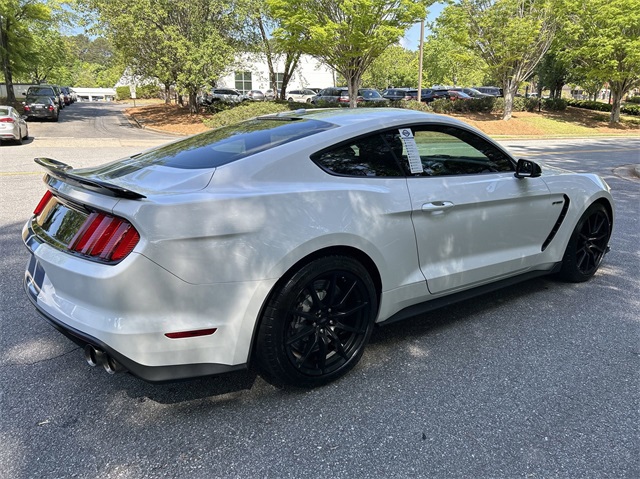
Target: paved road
{"type": "Point", "coordinates": [538, 381]}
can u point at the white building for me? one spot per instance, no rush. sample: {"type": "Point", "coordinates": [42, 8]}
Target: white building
{"type": "Point", "coordinates": [95, 94]}
{"type": "Point", "coordinates": [252, 73]}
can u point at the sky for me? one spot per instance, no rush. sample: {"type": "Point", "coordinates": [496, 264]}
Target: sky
{"type": "Point", "coordinates": [411, 40]}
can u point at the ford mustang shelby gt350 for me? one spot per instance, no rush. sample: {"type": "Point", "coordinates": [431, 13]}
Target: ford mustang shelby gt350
{"type": "Point", "coordinates": [283, 240]}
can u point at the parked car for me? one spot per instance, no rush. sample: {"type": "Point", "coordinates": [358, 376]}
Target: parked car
{"type": "Point", "coordinates": [66, 92]}
{"type": "Point", "coordinates": [472, 92]}
{"type": "Point", "coordinates": [489, 90]}
{"type": "Point", "coordinates": [428, 95]}
{"type": "Point", "coordinates": [340, 95]}
{"type": "Point", "coordinates": [270, 95]}
{"type": "Point", "coordinates": [254, 95]}
{"type": "Point", "coordinates": [370, 95]}
{"type": "Point", "coordinates": [459, 95]}
{"type": "Point", "coordinates": [304, 95]}
{"type": "Point", "coordinates": [12, 125]}
{"type": "Point", "coordinates": [40, 107]}
{"type": "Point", "coordinates": [396, 94]}
{"type": "Point", "coordinates": [226, 95]}
{"type": "Point", "coordinates": [280, 241]}
{"type": "Point", "coordinates": [47, 90]}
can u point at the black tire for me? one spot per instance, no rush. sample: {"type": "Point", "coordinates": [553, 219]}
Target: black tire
{"type": "Point", "coordinates": [289, 99]}
{"type": "Point", "coordinates": [55, 118]}
{"type": "Point", "coordinates": [587, 246]}
{"type": "Point", "coordinates": [317, 323]}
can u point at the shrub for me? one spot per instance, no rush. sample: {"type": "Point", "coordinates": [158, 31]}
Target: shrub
{"type": "Point", "coordinates": [249, 109]}
{"type": "Point", "coordinates": [630, 110]}
{"type": "Point", "coordinates": [123, 93]}
{"type": "Point", "coordinates": [589, 105]}
{"type": "Point", "coordinates": [554, 104]}
{"type": "Point", "coordinates": [634, 99]}
{"type": "Point", "coordinates": [148, 91]}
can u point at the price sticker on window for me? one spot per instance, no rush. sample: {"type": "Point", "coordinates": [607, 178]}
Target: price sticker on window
{"type": "Point", "coordinates": [411, 147]}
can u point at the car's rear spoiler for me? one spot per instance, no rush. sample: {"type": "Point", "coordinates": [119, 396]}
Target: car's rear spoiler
{"type": "Point", "coordinates": [59, 170]}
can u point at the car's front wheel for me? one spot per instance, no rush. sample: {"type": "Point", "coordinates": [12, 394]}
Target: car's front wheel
{"type": "Point", "coordinates": [317, 323]}
{"type": "Point", "coordinates": [587, 245]}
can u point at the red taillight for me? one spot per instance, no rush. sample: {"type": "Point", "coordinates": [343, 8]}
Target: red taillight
{"type": "Point", "coordinates": [7, 120]}
{"type": "Point", "coordinates": [43, 202]}
{"type": "Point", "coordinates": [51, 108]}
{"type": "Point", "coordinates": [106, 237]}
{"type": "Point", "coordinates": [26, 108]}
{"type": "Point", "coordinates": [190, 334]}
{"type": "Point", "coordinates": [343, 99]}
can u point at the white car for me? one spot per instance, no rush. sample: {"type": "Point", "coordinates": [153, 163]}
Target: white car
{"type": "Point", "coordinates": [12, 125]}
{"type": "Point", "coordinates": [282, 240]}
{"type": "Point", "coordinates": [303, 96]}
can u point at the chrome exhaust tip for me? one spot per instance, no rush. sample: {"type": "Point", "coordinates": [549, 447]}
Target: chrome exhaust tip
{"type": "Point", "coordinates": [94, 356]}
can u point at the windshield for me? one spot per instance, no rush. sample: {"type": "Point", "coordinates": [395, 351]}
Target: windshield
{"type": "Point", "coordinates": [221, 146]}
{"type": "Point", "coordinates": [369, 94]}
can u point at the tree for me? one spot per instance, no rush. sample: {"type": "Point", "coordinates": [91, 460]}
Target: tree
{"type": "Point", "coordinates": [511, 36]}
{"type": "Point", "coordinates": [396, 66]}
{"type": "Point", "coordinates": [17, 19]}
{"type": "Point", "coordinates": [273, 50]}
{"type": "Point", "coordinates": [553, 72]}
{"type": "Point", "coordinates": [347, 35]}
{"type": "Point", "coordinates": [607, 45]}
{"type": "Point", "coordinates": [189, 42]}
{"type": "Point", "coordinates": [448, 58]}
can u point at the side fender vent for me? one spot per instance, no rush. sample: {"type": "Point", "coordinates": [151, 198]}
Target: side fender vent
{"type": "Point", "coordinates": [556, 227]}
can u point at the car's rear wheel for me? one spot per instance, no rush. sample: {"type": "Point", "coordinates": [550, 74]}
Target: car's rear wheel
{"type": "Point", "coordinates": [290, 99]}
{"type": "Point", "coordinates": [587, 245]}
{"type": "Point", "coordinates": [317, 323]}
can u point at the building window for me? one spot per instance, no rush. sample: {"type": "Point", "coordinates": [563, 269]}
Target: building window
{"type": "Point", "coordinates": [279, 78]}
{"type": "Point", "coordinates": [243, 82]}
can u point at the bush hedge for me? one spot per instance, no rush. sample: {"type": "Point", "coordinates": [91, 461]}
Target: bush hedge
{"type": "Point", "coordinates": [142, 91]}
{"type": "Point", "coordinates": [249, 109]}
{"type": "Point", "coordinates": [606, 107]}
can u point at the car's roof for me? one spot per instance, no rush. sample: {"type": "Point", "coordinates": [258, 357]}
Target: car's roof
{"type": "Point", "coordinates": [354, 116]}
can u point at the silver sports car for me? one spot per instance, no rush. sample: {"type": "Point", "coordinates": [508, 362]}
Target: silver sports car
{"type": "Point", "coordinates": [283, 240]}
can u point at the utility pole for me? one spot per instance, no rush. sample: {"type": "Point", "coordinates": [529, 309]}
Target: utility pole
{"type": "Point", "coordinates": [420, 60]}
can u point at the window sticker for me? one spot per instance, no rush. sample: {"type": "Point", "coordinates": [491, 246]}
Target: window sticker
{"type": "Point", "coordinates": [410, 146]}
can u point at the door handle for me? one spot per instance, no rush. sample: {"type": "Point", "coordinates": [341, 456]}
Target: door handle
{"type": "Point", "coordinates": [437, 206]}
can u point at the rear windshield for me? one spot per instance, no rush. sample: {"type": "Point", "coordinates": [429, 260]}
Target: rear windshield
{"type": "Point", "coordinates": [37, 99]}
{"type": "Point", "coordinates": [41, 91]}
{"type": "Point", "coordinates": [221, 146]}
{"type": "Point", "coordinates": [4, 111]}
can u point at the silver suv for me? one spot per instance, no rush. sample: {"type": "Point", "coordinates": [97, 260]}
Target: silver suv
{"type": "Point", "coordinates": [227, 95]}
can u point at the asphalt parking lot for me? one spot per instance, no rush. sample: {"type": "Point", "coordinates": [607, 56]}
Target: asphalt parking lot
{"type": "Point", "coordinates": [540, 380]}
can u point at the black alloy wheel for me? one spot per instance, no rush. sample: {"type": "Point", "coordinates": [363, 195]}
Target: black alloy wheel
{"type": "Point", "coordinates": [587, 246]}
{"type": "Point", "coordinates": [317, 324]}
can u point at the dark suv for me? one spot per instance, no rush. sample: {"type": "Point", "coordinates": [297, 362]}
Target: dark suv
{"type": "Point", "coordinates": [340, 95]}
{"type": "Point", "coordinates": [52, 91]}
{"type": "Point", "coordinates": [428, 95]}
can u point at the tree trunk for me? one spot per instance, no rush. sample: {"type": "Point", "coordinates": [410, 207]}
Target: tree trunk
{"type": "Point", "coordinates": [615, 107]}
{"type": "Point", "coordinates": [167, 93]}
{"type": "Point", "coordinates": [6, 64]}
{"type": "Point", "coordinates": [509, 90]}
{"type": "Point", "coordinates": [353, 82]}
{"type": "Point", "coordinates": [193, 101]}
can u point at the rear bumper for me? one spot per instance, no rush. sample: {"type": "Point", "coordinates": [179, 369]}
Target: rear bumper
{"type": "Point", "coordinates": [152, 374]}
{"type": "Point", "coordinates": [128, 309]}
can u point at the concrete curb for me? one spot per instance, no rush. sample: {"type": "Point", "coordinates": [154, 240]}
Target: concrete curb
{"type": "Point", "coordinates": [133, 121]}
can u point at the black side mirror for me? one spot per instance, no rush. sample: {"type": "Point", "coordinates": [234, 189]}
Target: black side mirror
{"type": "Point", "coordinates": [527, 169]}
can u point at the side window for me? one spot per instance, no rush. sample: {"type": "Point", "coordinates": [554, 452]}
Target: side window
{"type": "Point", "coordinates": [452, 151]}
{"type": "Point", "coordinates": [371, 156]}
